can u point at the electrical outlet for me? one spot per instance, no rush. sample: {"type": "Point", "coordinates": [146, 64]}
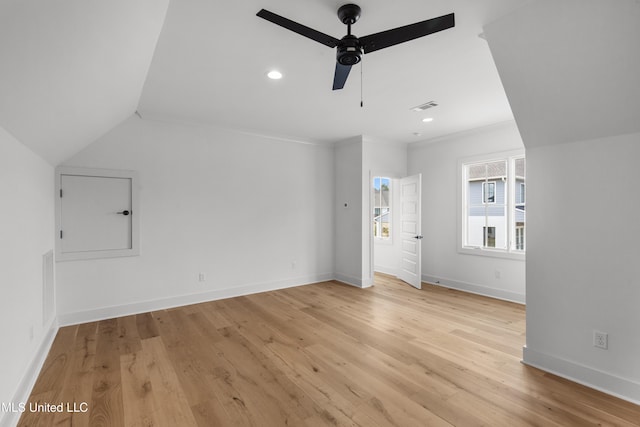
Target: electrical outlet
{"type": "Point", "coordinates": [498, 274]}
{"type": "Point", "coordinates": [601, 340]}
{"type": "Point", "coordinates": [201, 277]}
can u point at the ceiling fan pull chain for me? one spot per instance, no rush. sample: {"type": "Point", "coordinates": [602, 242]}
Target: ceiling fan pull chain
{"type": "Point", "coordinates": [361, 74]}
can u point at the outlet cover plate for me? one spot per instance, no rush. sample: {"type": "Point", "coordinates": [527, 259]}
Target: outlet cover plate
{"type": "Point", "coordinates": [601, 340]}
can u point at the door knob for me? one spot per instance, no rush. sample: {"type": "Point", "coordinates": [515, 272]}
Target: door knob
{"type": "Point", "coordinates": [125, 213]}
{"type": "Point", "coordinates": [418, 237]}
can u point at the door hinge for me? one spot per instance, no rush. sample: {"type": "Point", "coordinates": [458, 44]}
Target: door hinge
{"type": "Point", "coordinates": [61, 234]}
{"type": "Point", "coordinates": [61, 193]}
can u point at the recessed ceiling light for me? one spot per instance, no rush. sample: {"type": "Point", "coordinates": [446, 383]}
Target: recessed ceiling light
{"type": "Point", "coordinates": [427, 119]}
{"type": "Point", "coordinates": [274, 75]}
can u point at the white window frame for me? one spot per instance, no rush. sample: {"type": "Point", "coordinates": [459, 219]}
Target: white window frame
{"type": "Point", "coordinates": [509, 252]}
{"type": "Point", "coordinates": [484, 199]}
{"type": "Point", "coordinates": [373, 204]}
{"type": "Point", "coordinates": [523, 194]}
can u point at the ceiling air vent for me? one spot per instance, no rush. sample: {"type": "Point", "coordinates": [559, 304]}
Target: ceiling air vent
{"type": "Point", "coordinates": [426, 106]}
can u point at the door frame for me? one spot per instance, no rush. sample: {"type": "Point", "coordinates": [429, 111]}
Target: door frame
{"type": "Point", "coordinates": [135, 209]}
{"type": "Point", "coordinates": [394, 214]}
{"type": "Point", "coordinates": [412, 279]}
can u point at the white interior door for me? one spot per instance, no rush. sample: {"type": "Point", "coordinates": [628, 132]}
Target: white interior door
{"type": "Point", "coordinates": [411, 231]}
{"type": "Point", "coordinates": [96, 213]}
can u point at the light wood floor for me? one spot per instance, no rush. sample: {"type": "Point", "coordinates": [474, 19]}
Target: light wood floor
{"type": "Point", "coordinates": [317, 355]}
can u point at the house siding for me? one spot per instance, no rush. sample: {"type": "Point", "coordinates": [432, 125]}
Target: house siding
{"type": "Point", "coordinates": [477, 208]}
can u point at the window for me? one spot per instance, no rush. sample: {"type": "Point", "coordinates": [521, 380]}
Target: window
{"type": "Point", "coordinates": [488, 192]}
{"type": "Point", "coordinates": [493, 205]}
{"type": "Point", "coordinates": [381, 207]}
{"type": "Point", "coordinates": [520, 198]}
{"type": "Point", "coordinates": [520, 237]}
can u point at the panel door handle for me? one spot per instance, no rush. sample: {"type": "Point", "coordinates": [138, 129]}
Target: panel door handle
{"type": "Point", "coordinates": [125, 213]}
{"type": "Point", "coordinates": [418, 237]}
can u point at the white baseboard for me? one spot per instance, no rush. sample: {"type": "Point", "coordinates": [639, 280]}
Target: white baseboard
{"type": "Point", "coordinates": [386, 270]}
{"type": "Point", "coordinates": [180, 300]}
{"type": "Point", "coordinates": [475, 289]}
{"type": "Point", "coordinates": [30, 376]}
{"type": "Point", "coordinates": [354, 281]}
{"type": "Point", "coordinates": [585, 375]}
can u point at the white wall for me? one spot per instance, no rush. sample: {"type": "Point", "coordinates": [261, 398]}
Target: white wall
{"type": "Point", "coordinates": [251, 213]}
{"type": "Point", "coordinates": [73, 70]}
{"type": "Point", "coordinates": [349, 223]}
{"type": "Point", "coordinates": [575, 76]}
{"type": "Point", "coordinates": [389, 160]}
{"type": "Point", "coordinates": [438, 163]}
{"type": "Point", "coordinates": [26, 215]}
{"type": "Point", "coordinates": [582, 203]}
{"type": "Point", "coordinates": [582, 261]}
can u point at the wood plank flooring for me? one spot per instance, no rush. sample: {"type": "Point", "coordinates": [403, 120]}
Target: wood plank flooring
{"type": "Point", "coordinates": [317, 355]}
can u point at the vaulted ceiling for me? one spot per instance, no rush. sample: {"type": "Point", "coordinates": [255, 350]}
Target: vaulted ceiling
{"type": "Point", "coordinates": [74, 69]}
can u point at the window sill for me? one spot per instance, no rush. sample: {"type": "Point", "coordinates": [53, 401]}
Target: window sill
{"type": "Point", "coordinates": [492, 253]}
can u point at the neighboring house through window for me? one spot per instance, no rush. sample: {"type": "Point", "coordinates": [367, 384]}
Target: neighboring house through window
{"type": "Point", "coordinates": [488, 192]}
{"type": "Point", "coordinates": [493, 212]}
{"type": "Point", "coordinates": [381, 207]}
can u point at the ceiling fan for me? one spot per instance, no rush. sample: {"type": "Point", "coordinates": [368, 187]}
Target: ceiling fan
{"type": "Point", "coordinates": [350, 47]}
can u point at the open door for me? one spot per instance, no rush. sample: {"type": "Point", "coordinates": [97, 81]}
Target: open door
{"type": "Point", "coordinates": [411, 231]}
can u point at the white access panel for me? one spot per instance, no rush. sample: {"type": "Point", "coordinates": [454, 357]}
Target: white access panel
{"type": "Point", "coordinates": [97, 216]}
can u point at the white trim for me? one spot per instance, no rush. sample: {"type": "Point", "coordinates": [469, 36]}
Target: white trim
{"type": "Point", "coordinates": [506, 124]}
{"type": "Point", "coordinates": [461, 228]}
{"type": "Point", "coordinates": [475, 289]}
{"type": "Point", "coordinates": [135, 217]}
{"type": "Point", "coordinates": [391, 271]}
{"type": "Point", "coordinates": [602, 381]}
{"type": "Point", "coordinates": [159, 118]}
{"type": "Point", "coordinates": [516, 255]}
{"type": "Point", "coordinates": [354, 281]}
{"type": "Point", "coordinates": [387, 240]}
{"type": "Point", "coordinates": [102, 313]}
{"type": "Point", "coordinates": [25, 386]}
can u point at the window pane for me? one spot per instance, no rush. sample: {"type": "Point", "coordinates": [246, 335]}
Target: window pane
{"type": "Point", "coordinates": [381, 207]}
{"type": "Point", "coordinates": [489, 192]}
{"type": "Point", "coordinates": [489, 237]}
{"type": "Point", "coordinates": [519, 212]}
{"type": "Point", "coordinates": [486, 213]}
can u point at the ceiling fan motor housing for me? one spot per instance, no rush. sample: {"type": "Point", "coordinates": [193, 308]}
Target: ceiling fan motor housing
{"type": "Point", "coordinates": [349, 51]}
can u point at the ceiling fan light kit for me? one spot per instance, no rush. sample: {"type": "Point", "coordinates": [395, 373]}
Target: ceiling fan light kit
{"type": "Point", "coordinates": [351, 48]}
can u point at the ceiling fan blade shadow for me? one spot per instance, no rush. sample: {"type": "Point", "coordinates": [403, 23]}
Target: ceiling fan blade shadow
{"type": "Point", "coordinates": [340, 77]}
{"type": "Point", "coordinates": [303, 30]}
{"type": "Point", "coordinates": [383, 39]}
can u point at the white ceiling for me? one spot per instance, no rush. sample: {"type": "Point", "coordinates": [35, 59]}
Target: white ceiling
{"type": "Point", "coordinates": [580, 80]}
{"type": "Point", "coordinates": [211, 61]}
{"type": "Point", "coordinates": [74, 69]}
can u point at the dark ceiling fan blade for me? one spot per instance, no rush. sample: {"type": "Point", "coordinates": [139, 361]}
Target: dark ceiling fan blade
{"type": "Point", "coordinates": [340, 77]}
{"type": "Point", "coordinates": [399, 35]}
{"type": "Point", "coordinates": [298, 28]}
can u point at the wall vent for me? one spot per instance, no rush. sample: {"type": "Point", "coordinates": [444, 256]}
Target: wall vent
{"type": "Point", "coordinates": [425, 106]}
